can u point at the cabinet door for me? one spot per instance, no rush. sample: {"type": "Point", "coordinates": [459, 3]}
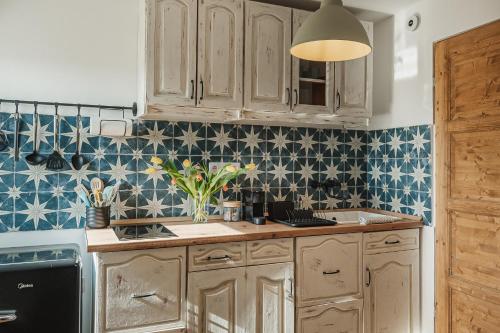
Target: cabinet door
{"type": "Point", "coordinates": [392, 292]}
{"type": "Point", "coordinates": [329, 268]}
{"type": "Point", "coordinates": [171, 52]}
{"type": "Point", "coordinates": [312, 81]}
{"type": "Point", "coordinates": [220, 53]}
{"type": "Point", "coordinates": [141, 291]}
{"type": "Point", "coordinates": [270, 298]}
{"type": "Point", "coordinates": [216, 301]}
{"type": "Point", "coordinates": [345, 317]}
{"type": "Point", "coordinates": [353, 83]}
{"type": "Point", "coordinates": [267, 57]}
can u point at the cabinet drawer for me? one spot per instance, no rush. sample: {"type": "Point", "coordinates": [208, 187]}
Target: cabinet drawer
{"type": "Point", "coordinates": [141, 290]}
{"type": "Point", "coordinates": [269, 251]}
{"type": "Point", "coordinates": [328, 268]}
{"type": "Point", "coordinates": [390, 241]}
{"type": "Point", "coordinates": [344, 317]}
{"type": "Point", "coordinates": [215, 256]}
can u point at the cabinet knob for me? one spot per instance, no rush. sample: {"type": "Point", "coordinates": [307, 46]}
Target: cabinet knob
{"type": "Point", "coordinates": [337, 271]}
{"type": "Point", "coordinates": [369, 277]}
{"type": "Point", "coordinates": [202, 89]}
{"type": "Point", "coordinates": [337, 100]}
{"type": "Point", "coordinates": [288, 96]}
{"type": "Point", "coordinates": [136, 296]}
{"type": "Point", "coordinates": [296, 97]}
{"type": "Point", "coordinates": [192, 89]}
{"type": "Point", "coordinates": [226, 257]}
{"type": "Point", "coordinates": [392, 242]}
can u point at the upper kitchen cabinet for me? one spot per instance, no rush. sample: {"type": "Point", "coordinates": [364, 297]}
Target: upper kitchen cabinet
{"type": "Point", "coordinates": [171, 52]}
{"type": "Point", "coordinates": [312, 81]}
{"type": "Point", "coordinates": [186, 79]}
{"type": "Point", "coordinates": [353, 83]}
{"type": "Point", "coordinates": [220, 53]}
{"type": "Point", "coordinates": [267, 57]}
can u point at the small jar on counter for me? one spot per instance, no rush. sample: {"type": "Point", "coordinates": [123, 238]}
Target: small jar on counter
{"type": "Point", "coordinates": [232, 211]}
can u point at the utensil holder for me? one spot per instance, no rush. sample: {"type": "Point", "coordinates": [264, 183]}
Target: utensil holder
{"type": "Point", "coordinates": [98, 217]}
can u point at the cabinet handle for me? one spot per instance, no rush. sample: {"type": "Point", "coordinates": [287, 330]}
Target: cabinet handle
{"type": "Point", "coordinates": [136, 296]}
{"type": "Point", "coordinates": [332, 272]}
{"type": "Point", "coordinates": [192, 89]}
{"type": "Point", "coordinates": [337, 99]}
{"type": "Point", "coordinates": [296, 97]}
{"type": "Point", "coordinates": [202, 88]}
{"type": "Point", "coordinates": [226, 257]}
{"type": "Point", "coordinates": [290, 292]}
{"type": "Point", "coordinates": [288, 96]}
{"type": "Point", "coordinates": [369, 277]}
{"type": "Point", "coordinates": [392, 242]}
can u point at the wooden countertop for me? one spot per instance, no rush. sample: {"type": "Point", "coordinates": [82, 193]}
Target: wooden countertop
{"type": "Point", "coordinates": [105, 240]}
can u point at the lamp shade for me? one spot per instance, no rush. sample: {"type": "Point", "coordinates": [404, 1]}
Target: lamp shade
{"type": "Point", "coordinates": [331, 33]}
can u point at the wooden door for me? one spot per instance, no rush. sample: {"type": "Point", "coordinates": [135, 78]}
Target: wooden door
{"type": "Point", "coordinates": [220, 53]}
{"type": "Point", "coordinates": [467, 114]}
{"type": "Point", "coordinates": [216, 301]}
{"type": "Point", "coordinates": [353, 83]}
{"type": "Point", "coordinates": [392, 292]}
{"type": "Point", "coordinates": [270, 298]}
{"type": "Point", "coordinates": [267, 57]}
{"type": "Point", "coordinates": [312, 81]}
{"type": "Point", "coordinates": [343, 317]}
{"type": "Point", "coordinates": [171, 52]}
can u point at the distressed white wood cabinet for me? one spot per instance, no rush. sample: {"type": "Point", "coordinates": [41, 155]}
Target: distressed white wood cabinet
{"type": "Point", "coordinates": [140, 291]}
{"type": "Point", "coordinates": [353, 83]}
{"type": "Point", "coordinates": [392, 287]}
{"type": "Point", "coordinates": [229, 61]}
{"type": "Point", "coordinates": [342, 317]}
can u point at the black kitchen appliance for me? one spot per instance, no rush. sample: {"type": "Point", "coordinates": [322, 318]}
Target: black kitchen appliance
{"type": "Point", "coordinates": [40, 289]}
{"type": "Point", "coordinates": [142, 231]}
{"type": "Point", "coordinates": [284, 212]}
{"type": "Point", "coordinates": [253, 206]}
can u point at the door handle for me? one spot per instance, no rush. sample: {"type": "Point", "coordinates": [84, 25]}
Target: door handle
{"type": "Point", "coordinates": [392, 242]}
{"type": "Point", "coordinates": [288, 96]}
{"type": "Point", "coordinates": [192, 89]}
{"type": "Point", "coordinates": [337, 271]}
{"type": "Point", "coordinates": [202, 89]}
{"type": "Point", "coordinates": [290, 292]}
{"type": "Point", "coordinates": [136, 296]}
{"type": "Point", "coordinates": [337, 99]}
{"type": "Point", "coordinates": [7, 316]}
{"type": "Point", "coordinates": [369, 277]}
{"type": "Point", "coordinates": [296, 97]}
{"type": "Point", "coordinates": [226, 257]}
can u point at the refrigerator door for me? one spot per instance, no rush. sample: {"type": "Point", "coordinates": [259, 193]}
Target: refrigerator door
{"type": "Point", "coordinates": [40, 296]}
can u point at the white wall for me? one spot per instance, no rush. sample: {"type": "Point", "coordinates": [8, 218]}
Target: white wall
{"type": "Point", "coordinates": [69, 50]}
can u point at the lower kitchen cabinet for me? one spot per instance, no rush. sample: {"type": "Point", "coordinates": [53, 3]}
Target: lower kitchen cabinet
{"type": "Point", "coordinates": [270, 298]}
{"type": "Point", "coordinates": [392, 292]}
{"type": "Point", "coordinates": [344, 317]}
{"type": "Point", "coordinates": [140, 291]}
{"type": "Point", "coordinates": [216, 301]}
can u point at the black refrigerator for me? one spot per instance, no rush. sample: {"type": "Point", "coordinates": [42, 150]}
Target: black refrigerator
{"type": "Point", "coordinates": [40, 289]}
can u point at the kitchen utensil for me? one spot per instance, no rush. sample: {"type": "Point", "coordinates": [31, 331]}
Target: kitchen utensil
{"type": "Point", "coordinates": [77, 160]}
{"type": "Point", "coordinates": [4, 142]}
{"type": "Point", "coordinates": [16, 134]}
{"type": "Point", "coordinates": [35, 158]}
{"type": "Point", "coordinates": [82, 192]}
{"type": "Point", "coordinates": [109, 194]}
{"type": "Point", "coordinates": [97, 185]}
{"type": "Point", "coordinates": [55, 161]}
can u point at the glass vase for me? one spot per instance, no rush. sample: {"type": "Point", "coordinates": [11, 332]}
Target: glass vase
{"type": "Point", "coordinates": [199, 209]}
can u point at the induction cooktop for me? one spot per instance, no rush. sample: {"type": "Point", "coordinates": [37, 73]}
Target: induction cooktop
{"type": "Point", "coordinates": [142, 231]}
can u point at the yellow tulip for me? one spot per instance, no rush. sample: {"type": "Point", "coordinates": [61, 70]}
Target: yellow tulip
{"type": "Point", "coordinates": [151, 171]}
{"type": "Point", "coordinates": [230, 168]}
{"type": "Point", "coordinates": [156, 160]}
{"type": "Point", "coordinates": [250, 166]}
{"type": "Point", "coordinates": [186, 163]}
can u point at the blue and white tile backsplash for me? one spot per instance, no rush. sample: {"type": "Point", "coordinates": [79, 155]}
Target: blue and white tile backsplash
{"type": "Point", "coordinates": [287, 159]}
{"type": "Point", "coordinates": [388, 169]}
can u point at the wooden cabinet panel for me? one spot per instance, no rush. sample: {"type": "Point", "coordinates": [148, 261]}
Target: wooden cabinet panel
{"type": "Point", "coordinates": [390, 241]}
{"type": "Point", "coordinates": [215, 256]}
{"type": "Point", "coordinates": [328, 267]}
{"type": "Point", "coordinates": [392, 292]}
{"type": "Point", "coordinates": [267, 57]}
{"type": "Point", "coordinates": [475, 166]}
{"type": "Point", "coordinates": [141, 290]}
{"type": "Point", "coordinates": [345, 317]}
{"type": "Point", "coordinates": [171, 51]}
{"type": "Point", "coordinates": [269, 251]}
{"type": "Point", "coordinates": [475, 259]}
{"type": "Point", "coordinates": [216, 301]}
{"type": "Point", "coordinates": [270, 298]}
{"type": "Point", "coordinates": [470, 313]}
{"type": "Point", "coordinates": [312, 81]}
{"type": "Point", "coordinates": [353, 83]}
{"type": "Point", "coordinates": [220, 53]}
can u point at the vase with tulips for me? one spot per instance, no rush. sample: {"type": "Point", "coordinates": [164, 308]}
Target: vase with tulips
{"type": "Point", "coordinates": [199, 183]}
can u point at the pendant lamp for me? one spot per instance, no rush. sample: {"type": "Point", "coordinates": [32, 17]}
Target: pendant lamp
{"type": "Point", "coordinates": [331, 33]}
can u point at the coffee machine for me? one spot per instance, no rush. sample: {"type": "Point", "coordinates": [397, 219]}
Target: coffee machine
{"type": "Point", "coordinates": [253, 206]}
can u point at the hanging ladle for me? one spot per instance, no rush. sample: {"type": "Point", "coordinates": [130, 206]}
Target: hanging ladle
{"type": "Point", "coordinates": [4, 143]}
{"type": "Point", "coordinates": [77, 160]}
{"type": "Point", "coordinates": [35, 158]}
{"type": "Point", "coordinates": [55, 161]}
